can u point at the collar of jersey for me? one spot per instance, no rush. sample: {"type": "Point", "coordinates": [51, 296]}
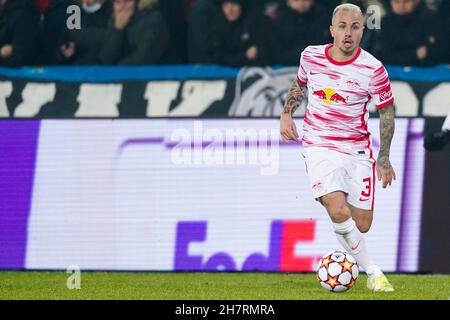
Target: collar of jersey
{"type": "Point", "coordinates": [341, 63]}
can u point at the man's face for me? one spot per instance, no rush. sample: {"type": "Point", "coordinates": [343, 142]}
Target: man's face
{"type": "Point", "coordinates": [347, 29]}
{"type": "Point", "coordinates": [402, 7]}
{"type": "Point", "coordinates": [300, 5]}
{"type": "Point", "coordinates": [231, 10]}
{"type": "Point", "coordinates": [122, 4]}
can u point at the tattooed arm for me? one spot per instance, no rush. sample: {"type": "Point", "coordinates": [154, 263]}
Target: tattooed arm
{"type": "Point", "coordinates": [294, 97]}
{"type": "Point", "coordinates": [387, 126]}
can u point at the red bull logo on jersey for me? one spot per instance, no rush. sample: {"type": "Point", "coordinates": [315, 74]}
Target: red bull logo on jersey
{"type": "Point", "coordinates": [329, 96]}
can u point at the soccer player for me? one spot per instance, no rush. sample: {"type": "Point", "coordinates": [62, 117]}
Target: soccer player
{"type": "Point", "coordinates": [339, 80]}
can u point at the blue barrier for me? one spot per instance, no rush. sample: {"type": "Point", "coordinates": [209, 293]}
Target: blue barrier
{"type": "Point", "coordinates": [181, 72]}
{"type": "Point", "coordinates": [116, 74]}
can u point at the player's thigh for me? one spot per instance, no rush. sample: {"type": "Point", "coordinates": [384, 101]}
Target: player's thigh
{"type": "Point", "coordinates": [337, 207]}
{"type": "Point", "coordinates": [326, 172]}
{"type": "Point", "coordinates": [363, 218]}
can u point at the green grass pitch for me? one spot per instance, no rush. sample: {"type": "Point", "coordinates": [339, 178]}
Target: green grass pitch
{"type": "Point", "coordinates": [209, 286]}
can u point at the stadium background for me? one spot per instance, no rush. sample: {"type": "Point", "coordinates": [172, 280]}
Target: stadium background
{"type": "Point", "coordinates": [78, 188]}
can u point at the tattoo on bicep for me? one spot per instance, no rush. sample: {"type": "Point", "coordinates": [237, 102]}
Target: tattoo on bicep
{"type": "Point", "coordinates": [294, 97]}
{"type": "Point", "coordinates": [387, 128]}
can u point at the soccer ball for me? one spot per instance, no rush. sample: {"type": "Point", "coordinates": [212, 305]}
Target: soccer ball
{"type": "Point", "coordinates": [337, 271]}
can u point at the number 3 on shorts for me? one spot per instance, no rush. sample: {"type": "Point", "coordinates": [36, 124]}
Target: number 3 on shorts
{"type": "Point", "coordinates": [368, 187]}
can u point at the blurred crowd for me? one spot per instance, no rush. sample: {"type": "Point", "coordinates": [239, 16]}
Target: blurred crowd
{"type": "Point", "coordinates": [225, 32]}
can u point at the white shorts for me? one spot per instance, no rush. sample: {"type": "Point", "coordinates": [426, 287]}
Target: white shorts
{"type": "Point", "coordinates": [330, 171]}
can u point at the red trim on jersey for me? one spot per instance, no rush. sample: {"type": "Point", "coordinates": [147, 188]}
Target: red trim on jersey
{"type": "Point", "coordinates": [364, 124]}
{"type": "Point", "coordinates": [386, 88]}
{"type": "Point", "coordinates": [306, 119]}
{"type": "Point", "coordinates": [373, 180]}
{"type": "Point", "coordinates": [341, 116]}
{"type": "Point", "coordinates": [300, 81]}
{"type": "Point", "coordinates": [363, 120]}
{"type": "Point", "coordinates": [383, 83]}
{"type": "Point", "coordinates": [354, 138]}
{"type": "Point", "coordinates": [363, 66]}
{"type": "Point", "coordinates": [379, 71]}
{"type": "Point", "coordinates": [386, 103]}
{"type": "Point", "coordinates": [341, 63]}
{"type": "Point", "coordinates": [309, 59]}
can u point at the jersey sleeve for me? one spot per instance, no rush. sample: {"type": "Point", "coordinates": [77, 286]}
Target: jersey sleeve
{"type": "Point", "coordinates": [302, 76]}
{"type": "Point", "coordinates": [380, 88]}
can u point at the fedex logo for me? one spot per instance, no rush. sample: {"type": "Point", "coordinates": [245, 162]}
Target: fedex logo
{"type": "Point", "coordinates": [284, 235]}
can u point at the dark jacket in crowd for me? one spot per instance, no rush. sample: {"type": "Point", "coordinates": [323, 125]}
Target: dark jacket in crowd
{"type": "Point", "coordinates": [444, 11]}
{"type": "Point", "coordinates": [401, 36]}
{"type": "Point", "coordinates": [231, 40]}
{"type": "Point", "coordinates": [89, 39]}
{"type": "Point", "coordinates": [52, 26]}
{"type": "Point", "coordinates": [18, 27]}
{"type": "Point", "coordinates": [142, 42]}
{"type": "Point", "coordinates": [176, 52]}
{"type": "Point", "coordinates": [293, 31]}
{"type": "Point", "coordinates": [329, 6]}
{"type": "Point", "coordinates": [263, 7]}
{"type": "Point", "coordinates": [203, 15]}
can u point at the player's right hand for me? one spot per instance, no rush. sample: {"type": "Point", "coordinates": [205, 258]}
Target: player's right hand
{"type": "Point", "coordinates": [385, 172]}
{"type": "Point", "coordinates": [288, 130]}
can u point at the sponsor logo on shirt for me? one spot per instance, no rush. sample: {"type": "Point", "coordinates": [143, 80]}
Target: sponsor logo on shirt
{"type": "Point", "coordinates": [329, 96]}
{"type": "Point", "coordinates": [385, 94]}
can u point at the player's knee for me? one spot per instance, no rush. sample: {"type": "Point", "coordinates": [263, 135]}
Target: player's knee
{"type": "Point", "coordinates": [364, 222]}
{"type": "Point", "coordinates": [339, 213]}
{"type": "Point", "coordinates": [336, 207]}
{"type": "Point", "coordinates": [363, 227]}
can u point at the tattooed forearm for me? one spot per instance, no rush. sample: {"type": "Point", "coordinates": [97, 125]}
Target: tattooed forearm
{"type": "Point", "coordinates": [294, 97]}
{"type": "Point", "coordinates": [387, 127]}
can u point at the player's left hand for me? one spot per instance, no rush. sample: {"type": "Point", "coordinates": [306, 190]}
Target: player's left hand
{"type": "Point", "coordinates": [385, 172]}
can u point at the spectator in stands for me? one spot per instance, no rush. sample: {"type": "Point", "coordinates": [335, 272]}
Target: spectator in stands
{"type": "Point", "coordinates": [411, 35]}
{"type": "Point", "coordinates": [300, 24]}
{"type": "Point", "coordinates": [52, 26]}
{"type": "Point", "coordinates": [18, 33]}
{"type": "Point", "coordinates": [269, 9]}
{"type": "Point", "coordinates": [442, 8]}
{"type": "Point", "coordinates": [263, 13]}
{"type": "Point", "coordinates": [81, 46]}
{"type": "Point", "coordinates": [235, 39]}
{"type": "Point", "coordinates": [202, 16]}
{"type": "Point", "coordinates": [137, 34]}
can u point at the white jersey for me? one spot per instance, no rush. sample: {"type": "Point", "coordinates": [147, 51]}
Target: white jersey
{"type": "Point", "coordinates": [338, 93]}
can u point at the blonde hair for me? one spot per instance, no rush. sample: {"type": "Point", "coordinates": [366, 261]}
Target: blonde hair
{"type": "Point", "coordinates": [348, 7]}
